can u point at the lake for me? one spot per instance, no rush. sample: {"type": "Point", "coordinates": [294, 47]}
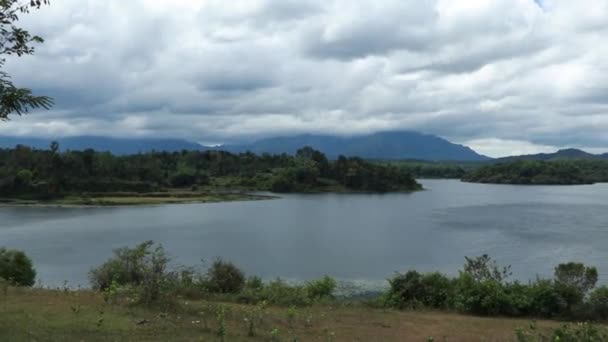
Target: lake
{"type": "Point", "coordinates": [355, 237]}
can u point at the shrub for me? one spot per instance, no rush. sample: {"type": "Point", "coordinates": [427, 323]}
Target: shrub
{"type": "Point", "coordinates": [414, 290]}
{"type": "Point", "coordinates": [225, 277]}
{"type": "Point", "coordinates": [254, 283]}
{"type": "Point", "coordinates": [143, 268]}
{"type": "Point", "coordinates": [280, 293]}
{"type": "Point", "coordinates": [486, 297]}
{"type": "Point", "coordinates": [16, 267]}
{"type": "Point", "coordinates": [321, 288]}
{"type": "Point", "coordinates": [598, 303]}
{"type": "Point", "coordinates": [406, 290]}
{"type": "Point", "coordinates": [484, 268]}
{"type": "Point", "coordinates": [545, 299]}
{"type": "Point", "coordinates": [573, 281]}
{"type": "Point", "coordinates": [438, 290]}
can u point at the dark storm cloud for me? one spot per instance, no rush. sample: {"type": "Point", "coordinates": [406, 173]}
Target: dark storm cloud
{"type": "Point", "coordinates": [500, 75]}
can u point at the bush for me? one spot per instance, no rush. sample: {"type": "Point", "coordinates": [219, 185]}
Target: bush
{"type": "Point", "coordinates": [573, 281]}
{"type": "Point", "coordinates": [143, 268]}
{"type": "Point", "coordinates": [225, 277]}
{"type": "Point", "coordinates": [438, 290]}
{"type": "Point", "coordinates": [321, 288]}
{"type": "Point", "coordinates": [598, 303]}
{"type": "Point", "coordinates": [280, 293]}
{"type": "Point", "coordinates": [16, 267]}
{"type": "Point", "coordinates": [486, 297]}
{"type": "Point", "coordinates": [406, 291]}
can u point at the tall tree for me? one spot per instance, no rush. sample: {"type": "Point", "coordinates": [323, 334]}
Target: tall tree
{"type": "Point", "coordinates": [17, 41]}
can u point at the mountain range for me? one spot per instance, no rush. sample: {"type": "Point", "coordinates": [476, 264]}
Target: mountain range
{"type": "Point", "coordinates": [384, 145]}
{"type": "Point", "coordinates": [118, 146]}
{"type": "Point", "coordinates": [391, 145]}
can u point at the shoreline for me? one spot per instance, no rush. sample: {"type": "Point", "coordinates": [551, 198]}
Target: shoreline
{"type": "Point", "coordinates": [101, 200]}
{"type": "Point", "coordinates": [111, 201]}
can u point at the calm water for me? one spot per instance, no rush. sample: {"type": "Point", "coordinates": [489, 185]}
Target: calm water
{"type": "Point", "coordinates": [352, 237]}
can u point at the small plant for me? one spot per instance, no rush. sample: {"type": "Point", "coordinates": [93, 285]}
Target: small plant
{"type": "Point", "coordinates": [100, 319]}
{"type": "Point", "coordinates": [76, 309]}
{"type": "Point", "coordinates": [110, 294]}
{"type": "Point", "coordinates": [221, 321]}
{"type": "Point", "coordinates": [291, 316]}
{"type": "Point", "coordinates": [329, 335]}
{"type": "Point", "coordinates": [274, 335]}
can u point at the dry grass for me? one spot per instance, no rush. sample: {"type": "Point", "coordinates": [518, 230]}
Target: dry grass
{"type": "Point", "coordinates": [45, 315]}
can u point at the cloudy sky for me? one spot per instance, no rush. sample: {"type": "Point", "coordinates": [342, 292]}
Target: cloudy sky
{"type": "Point", "coordinates": [502, 76]}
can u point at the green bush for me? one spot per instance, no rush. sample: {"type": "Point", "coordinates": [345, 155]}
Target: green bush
{"type": "Point", "coordinates": [280, 293]}
{"type": "Point", "coordinates": [573, 281]}
{"type": "Point", "coordinates": [438, 290]}
{"type": "Point", "coordinates": [16, 267]}
{"type": "Point", "coordinates": [143, 268]}
{"type": "Point", "coordinates": [414, 290]}
{"type": "Point", "coordinates": [545, 299]}
{"type": "Point", "coordinates": [321, 288]}
{"type": "Point", "coordinates": [486, 297]}
{"type": "Point", "coordinates": [406, 291]}
{"type": "Point", "coordinates": [598, 303]}
{"type": "Point", "coordinates": [225, 277]}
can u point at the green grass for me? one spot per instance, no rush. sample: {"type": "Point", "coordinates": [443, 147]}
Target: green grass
{"type": "Point", "coordinates": [57, 315]}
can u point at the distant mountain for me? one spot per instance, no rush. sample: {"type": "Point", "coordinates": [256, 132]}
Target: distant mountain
{"type": "Point", "coordinates": [383, 145]}
{"type": "Point", "coordinates": [569, 153]}
{"type": "Point", "coordinates": [119, 146]}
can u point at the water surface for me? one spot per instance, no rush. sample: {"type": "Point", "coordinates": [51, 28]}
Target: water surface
{"type": "Point", "coordinates": [352, 237]}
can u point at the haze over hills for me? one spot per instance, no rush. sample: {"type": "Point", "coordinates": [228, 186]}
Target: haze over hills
{"type": "Point", "coordinates": [384, 145]}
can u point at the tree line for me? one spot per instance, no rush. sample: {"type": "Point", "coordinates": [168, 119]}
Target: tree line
{"type": "Point", "coordinates": [536, 172]}
{"type": "Point", "coordinates": [37, 173]}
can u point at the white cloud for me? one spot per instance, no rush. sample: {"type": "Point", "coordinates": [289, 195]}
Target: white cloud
{"type": "Point", "coordinates": [508, 76]}
{"type": "Point", "coordinates": [502, 148]}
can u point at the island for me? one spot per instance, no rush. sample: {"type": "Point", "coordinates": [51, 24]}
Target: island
{"type": "Point", "coordinates": [50, 177]}
{"type": "Point", "coordinates": [538, 172]}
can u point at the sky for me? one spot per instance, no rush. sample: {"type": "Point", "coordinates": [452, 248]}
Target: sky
{"type": "Point", "coordinates": [501, 76]}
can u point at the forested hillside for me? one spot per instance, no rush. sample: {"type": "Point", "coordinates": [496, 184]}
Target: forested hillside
{"type": "Point", "coordinates": [38, 173]}
{"type": "Point", "coordinates": [541, 172]}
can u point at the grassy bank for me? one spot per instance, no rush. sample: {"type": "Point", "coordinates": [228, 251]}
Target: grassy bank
{"type": "Point", "coordinates": [57, 315]}
{"type": "Point", "coordinates": [128, 199]}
